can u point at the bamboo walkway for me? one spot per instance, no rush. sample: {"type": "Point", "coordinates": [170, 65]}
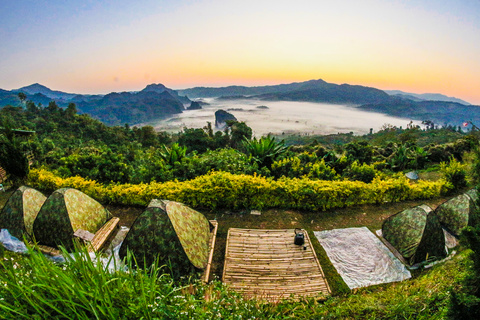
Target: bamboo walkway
{"type": "Point", "coordinates": [267, 265]}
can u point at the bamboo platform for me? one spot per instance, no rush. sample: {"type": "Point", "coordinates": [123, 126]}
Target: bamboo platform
{"type": "Point", "coordinates": [267, 265]}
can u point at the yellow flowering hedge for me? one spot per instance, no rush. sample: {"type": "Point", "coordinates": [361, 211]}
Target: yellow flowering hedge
{"type": "Point", "coordinates": [237, 191]}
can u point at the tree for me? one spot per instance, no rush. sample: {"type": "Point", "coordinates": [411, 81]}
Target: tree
{"type": "Point", "coordinates": [239, 132]}
{"type": "Point", "coordinates": [360, 151]}
{"type": "Point", "coordinates": [12, 159]}
{"type": "Point", "coordinates": [71, 110]}
{"type": "Point", "coordinates": [52, 107]}
{"type": "Point", "coordinates": [195, 140]}
{"type": "Point", "coordinates": [22, 96]}
{"type": "Point", "coordinates": [147, 136]}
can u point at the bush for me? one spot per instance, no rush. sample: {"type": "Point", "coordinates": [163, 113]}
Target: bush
{"type": "Point", "coordinates": [226, 190]}
{"type": "Point", "coordinates": [319, 170]}
{"type": "Point", "coordinates": [454, 172]}
{"type": "Point", "coordinates": [363, 172]}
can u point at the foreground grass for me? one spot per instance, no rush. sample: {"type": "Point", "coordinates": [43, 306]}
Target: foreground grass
{"type": "Point", "coordinates": [32, 287]}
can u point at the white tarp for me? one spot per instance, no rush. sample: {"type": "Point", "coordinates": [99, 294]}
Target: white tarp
{"type": "Point", "coordinates": [360, 257]}
{"type": "Point", "coordinates": [112, 262]}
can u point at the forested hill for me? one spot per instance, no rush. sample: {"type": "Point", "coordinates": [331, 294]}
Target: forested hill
{"type": "Point", "coordinates": [450, 112]}
{"type": "Point", "coordinates": [440, 112]}
{"type": "Point", "coordinates": [154, 102]}
{"type": "Point", "coordinates": [132, 108]}
{"type": "Point", "coordinates": [313, 90]}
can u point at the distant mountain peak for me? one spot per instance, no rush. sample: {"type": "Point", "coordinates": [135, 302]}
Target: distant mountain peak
{"type": "Point", "coordinates": [40, 88]}
{"type": "Point", "coordinates": [160, 88]}
{"type": "Point", "coordinates": [157, 87]}
{"type": "Point", "coordinates": [34, 88]}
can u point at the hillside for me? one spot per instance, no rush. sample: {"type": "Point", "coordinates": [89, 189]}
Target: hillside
{"type": "Point", "coordinates": [313, 90]}
{"type": "Point", "coordinates": [38, 88]}
{"type": "Point", "coordinates": [156, 101]}
{"type": "Point", "coordinates": [426, 96]}
{"type": "Point", "coordinates": [440, 112]}
{"type": "Point", "coordinates": [435, 107]}
{"type": "Point", "coordinates": [125, 107]}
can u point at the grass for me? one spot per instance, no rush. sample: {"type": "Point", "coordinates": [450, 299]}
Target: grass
{"type": "Point", "coordinates": [32, 287]}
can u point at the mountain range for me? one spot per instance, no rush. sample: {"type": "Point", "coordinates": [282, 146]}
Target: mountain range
{"type": "Point", "coordinates": [156, 101]}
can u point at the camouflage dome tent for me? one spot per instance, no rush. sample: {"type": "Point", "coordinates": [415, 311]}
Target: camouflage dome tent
{"type": "Point", "coordinates": [63, 213]}
{"type": "Point", "coordinates": [175, 233]}
{"type": "Point", "coordinates": [416, 234]}
{"type": "Point", "coordinates": [459, 212]}
{"type": "Point", "coordinates": [20, 211]}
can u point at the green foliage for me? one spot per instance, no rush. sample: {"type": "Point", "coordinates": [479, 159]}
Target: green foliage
{"type": "Point", "coordinates": [99, 164]}
{"type": "Point", "coordinates": [173, 154]}
{"type": "Point", "coordinates": [455, 173]}
{"type": "Point", "coordinates": [401, 158]}
{"type": "Point", "coordinates": [12, 157]}
{"type": "Point", "coordinates": [35, 288]}
{"type": "Point", "coordinates": [264, 151]}
{"type": "Point", "coordinates": [319, 170]}
{"type": "Point", "coordinates": [195, 140]}
{"type": "Point", "coordinates": [364, 172]}
{"type": "Point", "coordinates": [227, 160]}
{"type": "Point", "coordinates": [306, 165]}
{"type": "Point", "coordinates": [226, 190]}
{"type": "Point", "coordinates": [82, 288]}
{"type": "Point", "coordinates": [239, 131]}
{"type": "Point", "coordinates": [359, 151]}
{"type": "Point", "coordinates": [465, 304]}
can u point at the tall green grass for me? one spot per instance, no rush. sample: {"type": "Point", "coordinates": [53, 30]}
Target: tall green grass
{"type": "Point", "coordinates": [36, 288]}
{"type": "Point", "coordinates": [33, 287]}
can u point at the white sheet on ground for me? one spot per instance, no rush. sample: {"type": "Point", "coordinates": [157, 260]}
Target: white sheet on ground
{"type": "Point", "coordinates": [11, 243]}
{"type": "Point", "coordinates": [360, 257]}
{"type": "Point", "coordinates": [112, 262]}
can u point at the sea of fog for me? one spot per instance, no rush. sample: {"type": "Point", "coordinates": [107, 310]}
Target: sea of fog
{"type": "Point", "coordinates": [306, 118]}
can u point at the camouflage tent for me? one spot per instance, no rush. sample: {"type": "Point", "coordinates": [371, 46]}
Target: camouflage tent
{"type": "Point", "coordinates": [176, 234]}
{"type": "Point", "coordinates": [458, 213]}
{"type": "Point", "coordinates": [474, 217]}
{"type": "Point", "coordinates": [63, 213]}
{"type": "Point", "coordinates": [20, 211]}
{"type": "Point", "coordinates": [416, 234]}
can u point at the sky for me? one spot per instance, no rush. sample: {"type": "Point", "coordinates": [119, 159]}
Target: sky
{"type": "Point", "coordinates": [100, 46]}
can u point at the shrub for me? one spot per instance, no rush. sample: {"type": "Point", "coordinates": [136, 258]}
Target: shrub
{"type": "Point", "coordinates": [359, 151]}
{"type": "Point", "coordinates": [226, 190]}
{"type": "Point", "coordinates": [319, 170]}
{"type": "Point", "coordinates": [454, 172]}
{"type": "Point", "coordinates": [265, 150]}
{"type": "Point", "coordinates": [364, 172]}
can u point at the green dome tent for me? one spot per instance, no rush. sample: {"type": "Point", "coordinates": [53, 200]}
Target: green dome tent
{"type": "Point", "coordinates": [458, 213]}
{"type": "Point", "coordinates": [416, 234]}
{"type": "Point", "coordinates": [474, 218]}
{"type": "Point", "coordinates": [20, 211]}
{"type": "Point", "coordinates": [178, 235]}
{"type": "Point", "coordinates": [64, 212]}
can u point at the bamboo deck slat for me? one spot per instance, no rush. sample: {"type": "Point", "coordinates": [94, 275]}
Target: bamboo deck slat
{"type": "Point", "coordinates": [48, 250]}
{"type": "Point", "coordinates": [267, 265]}
{"type": "Point", "coordinates": [103, 234]}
